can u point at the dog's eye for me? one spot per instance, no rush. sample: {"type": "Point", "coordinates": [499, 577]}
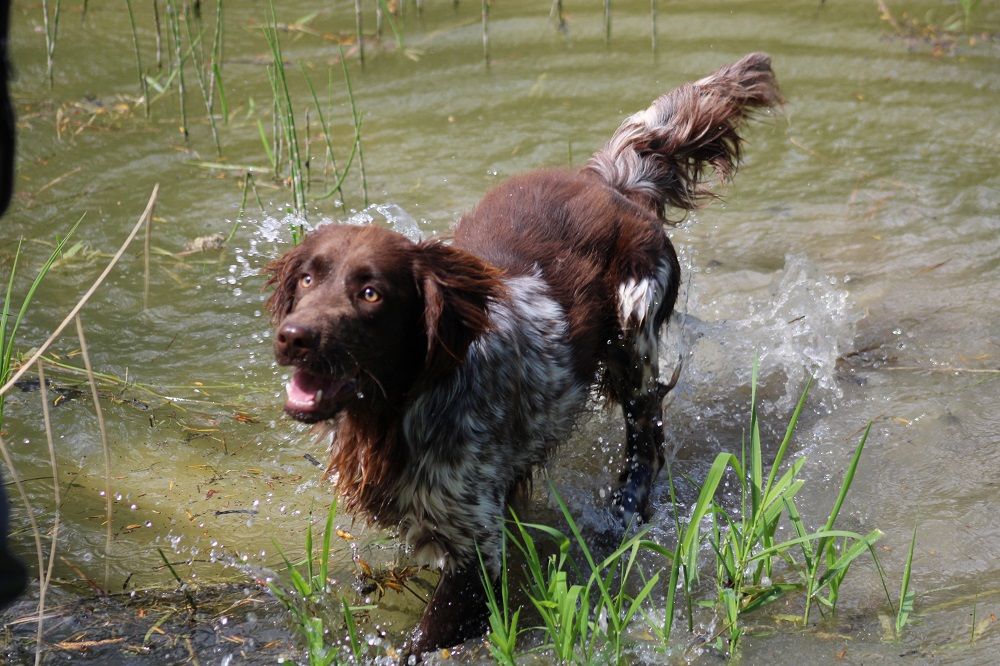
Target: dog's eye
{"type": "Point", "coordinates": [306, 281]}
{"type": "Point", "coordinates": [371, 295]}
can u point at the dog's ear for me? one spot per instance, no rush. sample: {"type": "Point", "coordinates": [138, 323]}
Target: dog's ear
{"type": "Point", "coordinates": [457, 288]}
{"type": "Point", "coordinates": [283, 274]}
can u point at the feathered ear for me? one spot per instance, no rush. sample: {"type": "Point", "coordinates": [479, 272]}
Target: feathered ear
{"type": "Point", "coordinates": [457, 288]}
{"type": "Point", "coordinates": [282, 273]}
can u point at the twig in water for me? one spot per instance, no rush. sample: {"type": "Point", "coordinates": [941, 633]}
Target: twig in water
{"type": "Point", "coordinates": [104, 449]}
{"type": "Point", "coordinates": [45, 579]}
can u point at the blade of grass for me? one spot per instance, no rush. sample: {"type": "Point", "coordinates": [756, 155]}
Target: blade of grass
{"type": "Point", "coordinates": [906, 595]}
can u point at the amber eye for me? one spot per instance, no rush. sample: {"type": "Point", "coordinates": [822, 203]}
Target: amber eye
{"type": "Point", "coordinates": [306, 281]}
{"type": "Point", "coordinates": [371, 295]}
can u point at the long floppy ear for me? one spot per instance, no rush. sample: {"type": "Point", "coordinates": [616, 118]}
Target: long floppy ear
{"type": "Point", "coordinates": [283, 273]}
{"type": "Point", "coordinates": [457, 288]}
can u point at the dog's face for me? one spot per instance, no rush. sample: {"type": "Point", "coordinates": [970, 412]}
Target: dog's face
{"type": "Point", "coordinates": [362, 313]}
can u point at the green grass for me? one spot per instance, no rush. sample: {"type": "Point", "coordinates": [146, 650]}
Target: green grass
{"type": "Point", "coordinates": [304, 595]}
{"type": "Point", "coordinates": [10, 319]}
{"type": "Point", "coordinates": [727, 558]}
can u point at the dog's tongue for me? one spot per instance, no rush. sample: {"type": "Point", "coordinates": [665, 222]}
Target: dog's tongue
{"type": "Point", "coordinates": [305, 390]}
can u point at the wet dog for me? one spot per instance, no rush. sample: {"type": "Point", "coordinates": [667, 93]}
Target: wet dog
{"type": "Point", "coordinates": [448, 372]}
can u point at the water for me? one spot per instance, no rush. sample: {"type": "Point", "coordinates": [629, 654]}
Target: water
{"type": "Point", "coordinates": [858, 245]}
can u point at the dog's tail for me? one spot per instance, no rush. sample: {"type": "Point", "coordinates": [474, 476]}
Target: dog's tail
{"type": "Point", "coordinates": [658, 156]}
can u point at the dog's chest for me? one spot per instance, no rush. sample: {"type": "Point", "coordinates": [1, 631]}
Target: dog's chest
{"type": "Point", "coordinates": [474, 435]}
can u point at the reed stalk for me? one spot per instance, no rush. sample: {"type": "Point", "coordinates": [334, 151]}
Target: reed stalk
{"type": "Point", "coordinates": [51, 35]}
{"type": "Point", "coordinates": [652, 25]}
{"type": "Point", "coordinates": [486, 32]}
{"type": "Point", "coordinates": [324, 125]}
{"type": "Point", "coordinates": [356, 117]}
{"type": "Point", "coordinates": [174, 25]}
{"type": "Point", "coordinates": [607, 21]}
{"type": "Point", "coordinates": [215, 70]}
{"type": "Point", "coordinates": [159, 36]}
{"type": "Point", "coordinates": [359, 35]}
{"type": "Point", "coordinates": [143, 85]}
{"type": "Point", "coordinates": [283, 102]}
{"type": "Point", "coordinates": [197, 56]}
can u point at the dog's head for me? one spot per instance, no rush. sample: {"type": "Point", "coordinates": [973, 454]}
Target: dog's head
{"type": "Point", "coordinates": [364, 316]}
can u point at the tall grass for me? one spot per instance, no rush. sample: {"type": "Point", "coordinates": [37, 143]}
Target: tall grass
{"type": "Point", "coordinates": [197, 55]}
{"type": "Point", "coordinates": [285, 113]}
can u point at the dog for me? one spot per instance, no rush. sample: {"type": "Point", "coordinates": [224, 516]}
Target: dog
{"type": "Point", "coordinates": [447, 373]}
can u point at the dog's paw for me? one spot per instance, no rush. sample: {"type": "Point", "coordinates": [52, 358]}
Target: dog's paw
{"type": "Point", "coordinates": [630, 502]}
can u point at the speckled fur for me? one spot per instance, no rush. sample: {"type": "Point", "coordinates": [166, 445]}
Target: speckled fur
{"type": "Point", "coordinates": [473, 435]}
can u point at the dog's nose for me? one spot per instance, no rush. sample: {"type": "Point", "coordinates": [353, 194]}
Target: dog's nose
{"type": "Point", "coordinates": [294, 341]}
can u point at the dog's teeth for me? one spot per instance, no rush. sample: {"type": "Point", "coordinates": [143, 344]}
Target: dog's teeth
{"type": "Point", "coordinates": [319, 396]}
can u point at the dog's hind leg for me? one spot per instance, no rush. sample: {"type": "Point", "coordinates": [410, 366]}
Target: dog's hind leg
{"type": "Point", "coordinates": [644, 302]}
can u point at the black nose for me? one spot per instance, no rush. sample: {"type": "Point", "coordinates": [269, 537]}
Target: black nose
{"type": "Point", "coordinates": [294, 342]}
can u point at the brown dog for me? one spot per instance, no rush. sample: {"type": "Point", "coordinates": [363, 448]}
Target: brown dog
{"type": "Point", "coordinates": [448, 373]}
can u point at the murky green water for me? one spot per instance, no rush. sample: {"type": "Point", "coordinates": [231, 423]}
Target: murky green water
{"type": "Point", "coordinates": [859, 244]}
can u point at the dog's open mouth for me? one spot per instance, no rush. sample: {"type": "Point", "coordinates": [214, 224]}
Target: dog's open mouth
{"type": "Point", "coordinates": [314, 397]}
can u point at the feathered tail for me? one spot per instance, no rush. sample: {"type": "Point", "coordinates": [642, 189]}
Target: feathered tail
{"type": "Point", "coordinates": [658, 156]}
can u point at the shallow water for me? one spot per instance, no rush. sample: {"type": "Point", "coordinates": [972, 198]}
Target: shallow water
{"type": "Point", "coordinates": [858, 245]}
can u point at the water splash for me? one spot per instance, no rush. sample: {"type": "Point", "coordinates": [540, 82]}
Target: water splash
{"type": "Point", "coordinates": [797, 328]}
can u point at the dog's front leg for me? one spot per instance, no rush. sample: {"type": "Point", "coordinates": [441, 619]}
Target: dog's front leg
{"type": "Point", "coordinates": [456, 612]}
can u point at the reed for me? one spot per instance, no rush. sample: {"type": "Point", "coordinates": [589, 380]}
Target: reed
{"type": "Point", "coordinates": [286, 113]}
{"type": "Point", "coordinates": [486, 32]}
{"type": "Point", "coordinates": [356, 119]}
{"type": "Point", "coordinates": [51, 25]}
{"type": "Point", "coordinates": [587, 621]}
{"type": "Point", "coordinates": [174, 27]}
{"type": "Point", "coordinates": [359, 32]}
{"type": "Point", "coordinates": [327, 135]}
{"type": "Point", "coordinates": [143, 86]}
{"type": "Point", "coordinates": [607, 21]}
{"type": "Point", "coordinates": [215, 66]}
{"type": "Point", "coordinates": [45, 577]}
{"type": "Point", "coordinates": [197, 56]}
{"type": "Point", "coordinates": [159, 35]}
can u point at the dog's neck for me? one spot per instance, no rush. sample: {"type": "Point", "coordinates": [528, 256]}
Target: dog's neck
{"type": "Point", "coordinates": [367, 457]}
